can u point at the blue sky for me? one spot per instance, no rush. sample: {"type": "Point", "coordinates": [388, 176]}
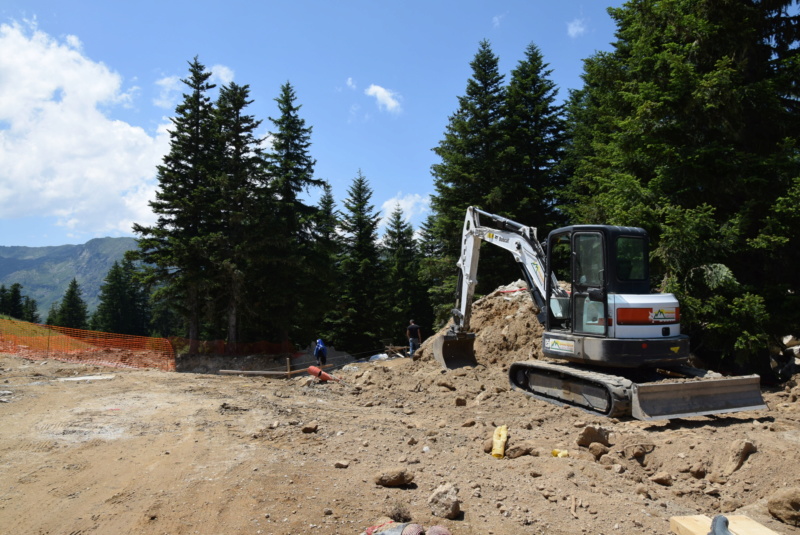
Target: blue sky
{"type": "Point", "coordinates": [87, 89]}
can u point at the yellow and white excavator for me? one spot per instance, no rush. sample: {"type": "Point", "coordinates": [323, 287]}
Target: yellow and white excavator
{"type": "Point", "coordinates": [617, 347]}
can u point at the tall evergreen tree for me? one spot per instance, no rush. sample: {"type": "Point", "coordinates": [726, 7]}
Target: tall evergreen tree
{"type": "Point", "coordinates": [287, 236]}
{"type": "Point", "coordinates": [535, 127]}
{"type": "Point", "coordinates": [29, 310]}
{"type": "Point", "coordinates": [693, 122]}
{"type": "Point", "coordinates": [174, 249]}
{"type": "Point", "coordinates": [72, 310]}
{"type": "Point", "coordinates": [406, 297]}
{"type": "Point", "coordinates": [123, 306]}
{"type": "Point", "coordinates": [14, 305]}
{"type": "Point", "coordinates": [240, 171]}
{"type": "Point", "coordinates": [324, 262]}
{"type": "Point", "coordinates": [356, 322]}
{"type": "Point", "coordinates": [473, 160]}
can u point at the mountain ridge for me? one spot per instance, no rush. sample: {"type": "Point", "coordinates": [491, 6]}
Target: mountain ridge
{"type": "Point", "coordinates": [45, 272]}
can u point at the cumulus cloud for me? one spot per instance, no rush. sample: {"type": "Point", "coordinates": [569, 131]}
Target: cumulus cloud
{"type": "Point", "coordinates": [413, 205]}
{"type": "Point", "coordinates": [387, 99]}
{"type": "Point", "coordinates": [60, 155]}
{"type": "Point", "coordinates": [351, 83]}
{"type": "Point", "coordinates": [221, 75]}
{"type": "Point", "coordinates": [169, 92]}
{"type": "Point", "coordinates": [576, 28]}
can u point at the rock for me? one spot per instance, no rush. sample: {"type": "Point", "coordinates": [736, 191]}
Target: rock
{"type": "Point", "coordinates": [311, 427]}
{"type": "Point", "coordinates": [397, 477]}
{"type": "Point", "coordinates": [738, 453]}
{"type": "Point", "coordinates": [327, 512]}
{"type": "Point", "coordinates": [341, 464]}
{"type": "Point", "coordinates": [487, 445]}
{"type": "Point", "coordinates": [468, 423]}
{"type": "Point", "coordinates": [444, 502]}
{"type": "Point", "coordinates": [593, 434]}
{"type": "Point", "coordinates": [461, 401]}
{"type": "Point", "coordinates": [698, 470]}
{"type": "Point", "coordinates": [598, 450]}
{"type": "Point", "coordinates": [518, 450]}
{"type": "Point", "coordinates": [785, 505]}
{"type": "Point", "coordinates": [662, 478]}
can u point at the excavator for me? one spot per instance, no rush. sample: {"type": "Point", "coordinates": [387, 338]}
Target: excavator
{"type": "Point", "coordinates": [612, 347]}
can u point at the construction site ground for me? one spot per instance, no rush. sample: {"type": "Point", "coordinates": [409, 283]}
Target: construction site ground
{"type": "Point", "coordinates": [93, 450]}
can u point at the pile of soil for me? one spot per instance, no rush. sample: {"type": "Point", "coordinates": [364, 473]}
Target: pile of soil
{"type": "Point", "coordinates": [88, 449]}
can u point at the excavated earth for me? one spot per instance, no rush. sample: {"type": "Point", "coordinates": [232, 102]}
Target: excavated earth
{"type": "Point", "coordinates": [87, 450]}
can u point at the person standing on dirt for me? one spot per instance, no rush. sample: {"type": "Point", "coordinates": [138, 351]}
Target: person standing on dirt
{"type": "Point", "coordinates": [414, 334]}
{"type": "Point", "coordinates": [321, 353]}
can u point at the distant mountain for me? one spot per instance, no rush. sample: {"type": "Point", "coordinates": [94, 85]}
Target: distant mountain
{"type": "Point", "coordinates": [45, 272]}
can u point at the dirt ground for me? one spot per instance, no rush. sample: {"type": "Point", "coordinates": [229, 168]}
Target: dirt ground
{"type": "Point", "coordinates": [91, 450]}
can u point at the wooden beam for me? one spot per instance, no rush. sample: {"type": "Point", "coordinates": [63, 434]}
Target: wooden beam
{"type": "Point", "coordinates": [701, 525]}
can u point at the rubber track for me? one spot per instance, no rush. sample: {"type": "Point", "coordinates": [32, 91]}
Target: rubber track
{"type": "Point", "coordinates": [618, 387]}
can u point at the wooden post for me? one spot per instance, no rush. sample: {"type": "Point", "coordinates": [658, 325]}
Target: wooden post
{"type": "Point", "coordinates": [288, 366]}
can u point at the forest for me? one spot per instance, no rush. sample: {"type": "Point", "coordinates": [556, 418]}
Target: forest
{"type": "Point", "coordinates": [687, 128]}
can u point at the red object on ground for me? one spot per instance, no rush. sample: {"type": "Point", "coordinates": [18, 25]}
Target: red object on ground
{"type": "Point", "coordinates": [316, 372]}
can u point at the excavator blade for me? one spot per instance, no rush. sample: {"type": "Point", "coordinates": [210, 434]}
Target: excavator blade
{"type": "Point", "coordinates": [664, 400]}
{"type": "Point", "coordinates": [455, 350]}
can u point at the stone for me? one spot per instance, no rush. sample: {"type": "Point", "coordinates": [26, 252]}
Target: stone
{"type": "Point", "coordinates": [311, 427]}
{"type": "Point", "coordinates": [520, 449]}
{"type": "Point", "coordinates": [738, 453]}
{"type": "Point", "coordinates": [662, 478]}
{"type": "Point", "coordinates": [398, 477]}
{"type": "Point", "coordinates": [444, 501]}
{"type": "Point", "coordinates": [785, 505]}
{"type": "Point", "coordinates": [598, 450]}
{"type": "Point", "coordinates": [698, 470]}
{"type": "Point", "coordinates": [593, 434]}
{"type": "Point", "coordinates": [341, 464]}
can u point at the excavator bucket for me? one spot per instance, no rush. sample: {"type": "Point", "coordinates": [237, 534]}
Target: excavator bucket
{"type": "Point", "coordinates": [455, 350]}
{"type": "Point", "coordinates": [663, 400]}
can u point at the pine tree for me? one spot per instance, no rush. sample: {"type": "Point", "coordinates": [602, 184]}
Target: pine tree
{"type": "Point", "coordinates": [324, 262]}
{"type": "Point", "coordinates": [356, 323]}
{"type": "Point", "coordinates": [29, 310]}
{"type": "Point", "coordinates": [72, 310]}
{"type": "Point", "coordinates": [404, 295]}
{"type": "Point", "coordinates": [688, 129]}
{"type": "Point", "coordinates": [474, 157]}
{"type": "Point", "coordinates": [287, 246]}
{"type": "Point", "coordinates": [236, 184]}
{"type": "Point", "coordinates": [174, 249]}
{"type": "Point", "coordinates": [535, 128]}
{"type": "Point", "coordinates": [123, 307]}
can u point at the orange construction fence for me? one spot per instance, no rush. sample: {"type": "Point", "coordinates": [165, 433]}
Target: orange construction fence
{"type": "Point", "coordinates": [39, 342]}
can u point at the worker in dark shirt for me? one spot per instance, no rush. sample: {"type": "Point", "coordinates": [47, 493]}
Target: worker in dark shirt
{"type": "Point", "coordinates": [414, 334]}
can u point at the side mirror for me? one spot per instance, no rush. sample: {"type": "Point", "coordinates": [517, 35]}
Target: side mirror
{"type": "Point", "coordinates": [596, 294]}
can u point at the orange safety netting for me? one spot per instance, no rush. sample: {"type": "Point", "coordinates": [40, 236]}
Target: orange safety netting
{"type": "Point", "coordinates": [39, 342]}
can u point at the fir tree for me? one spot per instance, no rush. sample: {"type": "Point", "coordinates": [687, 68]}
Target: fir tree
{"type": "Point", "coordinates": [355, 323]}
{"type": "Point", "coordinates": [174, 249]}
{"type": "Point", "coordinates": [123, 306]}
{"type": "Point", "coordinates": [72, 310]}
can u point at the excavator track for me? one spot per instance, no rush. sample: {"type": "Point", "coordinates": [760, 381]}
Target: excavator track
{"type": "Point", "coordinates": [677, 392]}
{"type": "Point", "coordinates": [564, 384]}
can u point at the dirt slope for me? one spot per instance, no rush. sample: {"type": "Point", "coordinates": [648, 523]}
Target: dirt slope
{"type": "Point", "coordinates": [150, 452]}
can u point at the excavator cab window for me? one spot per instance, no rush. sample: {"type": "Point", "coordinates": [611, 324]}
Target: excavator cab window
{"type": "Point", "coordinates": [631, 259]}
{"type": "Point", "coordinates": [560, 258]}
{"type": "Point", "coordinates": [588, 283]}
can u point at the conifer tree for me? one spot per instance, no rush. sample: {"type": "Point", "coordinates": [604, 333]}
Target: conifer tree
{"type": "Point", "coordinates": [174, 249]}
{"type": "Point", "coordinates": [123, 306]}
{"type": "Point", "coordinates": [72, 310]}
{"type": "Point", "coordinates": [535, 127]}
{"type": "Point", "coordinates": [473, 155]}
{"type": "Point", "coordinates": [29, 310]}
{"type": "Point", "coordinates": [240, 171]}
{"type": "Point", "coordinates": [404, 294]}
{"type": "Point", "coordinates": [286, 235]}
{"type": "Point", "coordinates": [688, 128]}
{"type": "Point", "coordinates": [324, 263]}
{"type": "Point", "coordinates": [356, 323]}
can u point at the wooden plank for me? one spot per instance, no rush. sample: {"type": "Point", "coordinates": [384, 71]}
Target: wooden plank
{"type": "Point", "coordinates": [701, 525]}
{"type": "Point", "coordinates": [744, 525]}
{"type": "Point", "coordinates": [690, 525]}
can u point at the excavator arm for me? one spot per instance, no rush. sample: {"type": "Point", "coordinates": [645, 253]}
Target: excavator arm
{"type": "Point", "coordinates": [454, 349]}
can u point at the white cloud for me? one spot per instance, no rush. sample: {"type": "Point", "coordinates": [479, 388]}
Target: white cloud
{"type": "Point", "coordinates": [413, 205]}
{"type": "Point", "coordinates": [576, 28]}
{"type": "Point", "coordinates": [387, 99]}
{"type": "Point", "coordinates": [169, 92]}
{"type": "Point", "coordinates": [60, 156]}
{"type": "Point", "coordinates": [221, 75]}
{"type": "Point", "coordinates": [497, 20]}
{"type": "Point", "coordinates": [351, 83]}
